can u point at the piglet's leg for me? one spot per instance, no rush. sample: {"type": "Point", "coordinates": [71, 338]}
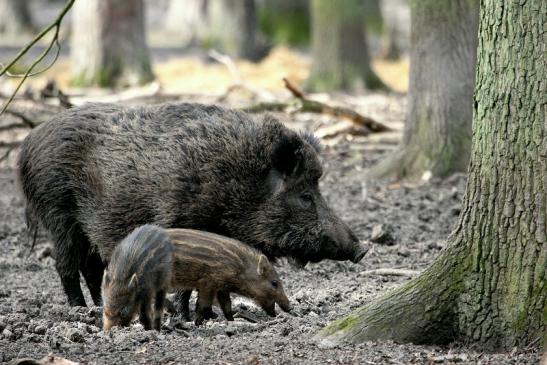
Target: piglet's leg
{"type": "Point", "coordinates": [158, 308]}
{"type": "Point", "coordinates": [204, 303]}
{"type": "Point", "coordinates": [182, 303]}
{"type": "Point", "coordinates": [225, 304]}
{"type": "Point", "coordinates": [144, 317]}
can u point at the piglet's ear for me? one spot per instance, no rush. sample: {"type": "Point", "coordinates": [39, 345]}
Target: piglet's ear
{"type": "Point", "coordinates": [286, 156]}
{"type": "Point", "coordinates": [263, 265]}
{"type": "Point", "coordinates": [106, 278]}
{"type": "Point", "coordinates": [132, 285]}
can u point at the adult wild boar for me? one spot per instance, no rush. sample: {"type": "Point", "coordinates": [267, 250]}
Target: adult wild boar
{"type": "Point", "coordinates": [94, 173]}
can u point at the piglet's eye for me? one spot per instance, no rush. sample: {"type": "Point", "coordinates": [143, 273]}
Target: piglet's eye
{"type": "Point", "coordinates": [306, 199]}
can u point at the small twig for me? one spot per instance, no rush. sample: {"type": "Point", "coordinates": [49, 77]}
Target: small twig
{"type": "Point", "coordinates": [297, 93]}
{"type": "Point", "coordinates": [10, 144]}
{"type": "Point", "coordinates": [246, 317]}
{"type": "Point", "coordinates": [10, 147]}
{"type": "Point", "coordinates": [29, 123]}
{"type": "Point", "coordinates": [391, 272]}
{"type": "Point", "coordinates": [56, 24]}
{"type": "Point", "coordinates": [228, 62]}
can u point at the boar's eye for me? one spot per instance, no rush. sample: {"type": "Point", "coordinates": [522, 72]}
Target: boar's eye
{"type": "Point", "coordinates": [306, 200]}
{"type": "Point", "coordinates": [274, 283]}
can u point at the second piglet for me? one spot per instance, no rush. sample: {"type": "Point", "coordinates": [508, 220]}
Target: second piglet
{"type": "Point", "coordinates": [152, 260]}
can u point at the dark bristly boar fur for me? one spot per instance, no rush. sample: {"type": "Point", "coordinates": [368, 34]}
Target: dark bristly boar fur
{"type": "Point", "coordinates": [94, 173]}
{"type": "Point", "coordinates": [215, 265]}
{"type": "Point", "coordinates": [137, 278]}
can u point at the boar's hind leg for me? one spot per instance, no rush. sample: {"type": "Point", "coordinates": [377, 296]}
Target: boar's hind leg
{"type": "Point", "coordinates": [204, 303]}
{"type": "Point", "coordinates": [92, 268]}
{"type": "Point", "coordinates": [144, 317]}
{"type": "Point", "coordinates": [225, 304]}
{"type": "Point", "coordinates": [67, 261]}
{"type": "Point", "coordinates": [159, 302]}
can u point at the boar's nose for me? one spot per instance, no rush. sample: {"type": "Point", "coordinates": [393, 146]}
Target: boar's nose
{"type": "Point", "coordinates": [358, 250]}
{"type": "Point", "coordinates": [285, 306]}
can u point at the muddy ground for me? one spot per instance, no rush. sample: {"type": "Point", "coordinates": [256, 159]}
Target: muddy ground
{"type": "Point", "coordinates": [35, 319]}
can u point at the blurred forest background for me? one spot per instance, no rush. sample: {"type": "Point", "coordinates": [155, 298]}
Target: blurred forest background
{"type": "Point", "coordinates": [126, 43]}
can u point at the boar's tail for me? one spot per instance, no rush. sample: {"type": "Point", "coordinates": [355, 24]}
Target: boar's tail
{"type": "Point", "coordinates": [32, 230]}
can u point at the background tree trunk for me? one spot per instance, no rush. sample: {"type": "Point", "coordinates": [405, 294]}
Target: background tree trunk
{"type": "Point", "coordinates": [488, 286]}
{"type": "Point", "coordinates": [187, 19]}
{"type": "Point", "coordinates": [233, 27]}
{"type": "Point", "coordinates": [340, 55]}
{"type": "Point", "coordinates": [437, 135]}
{"type": "Point", "coordinates": [14, 17]}
{"type": "Point", "coordinates": [396, 28]}
{"type": "Point", "coordinates": [108, 43]}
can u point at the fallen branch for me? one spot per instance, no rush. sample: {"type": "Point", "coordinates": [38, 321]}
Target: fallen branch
{"type": "Point", "coordinates": [304, 105]}
{"type": "Point", "coordinates": [11, 126]}
{"type": "Point", "coordinates": [390, 272]}
{"type": "Point", "coordinates": [336, 111]}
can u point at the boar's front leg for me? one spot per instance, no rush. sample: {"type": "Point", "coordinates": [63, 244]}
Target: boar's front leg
{"type": "Point", "coordinates": [158, 308]}
{"type": "Point", "coordinates": [225, 304]}
{"type": "Point", "coordinates": [146, 308]}
{"type": "Point", "coordinates": [204, 304]}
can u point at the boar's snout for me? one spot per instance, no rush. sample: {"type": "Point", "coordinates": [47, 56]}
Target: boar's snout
{"type": "Point", "coordinates": [359, 254]}
{"type": "Point", "coordinates": [286, 307]}
{"type": "Point", "coordinates": [340, 243]}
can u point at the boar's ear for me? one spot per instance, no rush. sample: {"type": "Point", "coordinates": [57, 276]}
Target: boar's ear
{"type": "Point", "coordinates": [286, 156]}
{"type": "Point", "coordinates": [132, 285]}
{"type": "Point", "coordinates": [263, 265]}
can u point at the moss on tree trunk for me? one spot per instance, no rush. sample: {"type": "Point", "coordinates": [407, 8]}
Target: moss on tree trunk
{"type": "Point", "coordinates": [437, 135]}
{"type": "Point", "coordinates": [340, 55]}
{"type": "Point", "coordinates": [488, 285]}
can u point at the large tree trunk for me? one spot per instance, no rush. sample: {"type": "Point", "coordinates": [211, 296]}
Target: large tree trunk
{"type": "Point", "coordinates": [437, 135]}
{"type": "Point", "coordinates": [14, 17]}
{"type": "Point", "coordinates": [233, 27]}
{"type": "Point", "coordinates": [109, 44]}
{"type": "Point", "coordinates": [488, 286]}
{"type": "Point", "coordinates": [340, 55]}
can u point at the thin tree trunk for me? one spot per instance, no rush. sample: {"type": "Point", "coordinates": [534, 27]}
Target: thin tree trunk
{"type": "Point", "coordinates": [109, 43]}
{"type": "Point", "coordinates": [233, 26]}
{"type": "Point", "coordinates": [437, 135]}
{"type": "Point", "coordinates": [488, 286]}
{"type": "Point", "coordinates": [340, 55]}
{"type": "Point", "coordinates": [187, 19]}
{"type": "Point", "coordinates": [14, 17]}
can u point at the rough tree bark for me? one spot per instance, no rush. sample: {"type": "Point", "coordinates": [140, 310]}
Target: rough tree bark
{"type": "Point", "coordinates": [233, 26]}
{"type": "Point", "coordinates": [437, 135]}
{"type": "Point", "coordinates": [14, 17]}
{"type": "Point", "coordinates": [488, 285]}
{"type": "Point", "coordinates": [109, 44]}
{"type": "Point", "coordinates": [339, 48]}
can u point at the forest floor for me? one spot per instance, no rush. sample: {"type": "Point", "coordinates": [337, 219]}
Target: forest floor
{"type": "Point", "coordinates": [35, 319]}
